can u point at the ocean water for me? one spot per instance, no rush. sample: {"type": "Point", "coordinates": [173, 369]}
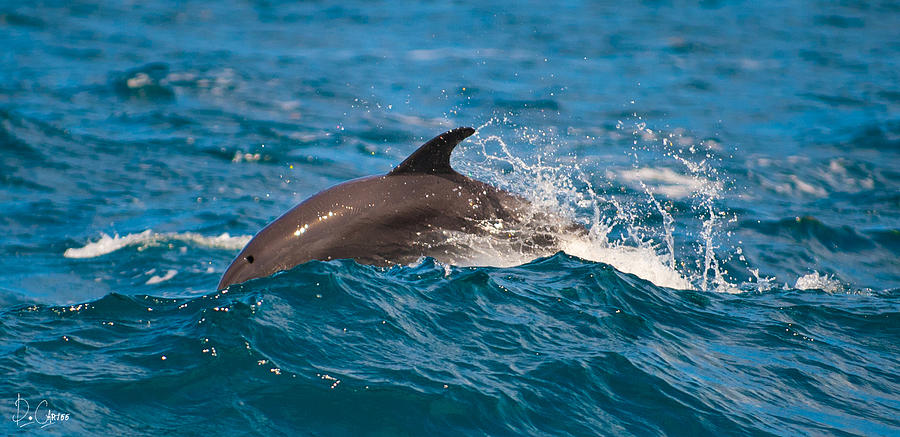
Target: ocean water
{"type": "Point", "coordinates": [737, 165]}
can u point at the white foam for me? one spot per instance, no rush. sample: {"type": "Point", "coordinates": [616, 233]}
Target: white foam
{"type": "Point", "coordinates": [156, 279]}
{"type": "Point", "coordinates": [808, 188]}
{"type": "Point", "coordinates": [667, 182]}
{"type": "Point", "coordinates": [639, 261]}
{"type": "Point", "coordinates": [139, 80]}
{"type": "Point", "coordinates": [460, 53]}
{"type": "Point", "coordinates": [108, 244]}
{"type": "Point", "coordinates": [815, 281]}
{"type": "Point", "coordinates": [497, 250]}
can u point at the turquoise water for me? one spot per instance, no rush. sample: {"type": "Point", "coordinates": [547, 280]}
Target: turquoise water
{"type": "Point", "coordinates": [736, 164]}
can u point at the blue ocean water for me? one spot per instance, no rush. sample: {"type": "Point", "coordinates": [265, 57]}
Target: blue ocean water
{"type": "Point", "coordinates": [737, 165]}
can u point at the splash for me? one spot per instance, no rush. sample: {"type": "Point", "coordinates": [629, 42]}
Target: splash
{"type": "Point", "coordinates": [815, 281]}
{"type": "Point", "coordinates": [108, 244]}
{"type": "Point", "coordinates": [626, 208]}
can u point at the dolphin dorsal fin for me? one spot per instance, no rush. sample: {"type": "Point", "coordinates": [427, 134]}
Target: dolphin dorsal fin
{"type": "Point", "coordinates": [434, 156]}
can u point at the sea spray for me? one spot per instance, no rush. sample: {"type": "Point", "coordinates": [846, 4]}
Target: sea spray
{"type": "Point", "coordinates": [626, 211]}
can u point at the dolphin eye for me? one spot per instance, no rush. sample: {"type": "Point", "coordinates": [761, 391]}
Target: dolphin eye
{"type": "Point", "coordinates": [249, 259]}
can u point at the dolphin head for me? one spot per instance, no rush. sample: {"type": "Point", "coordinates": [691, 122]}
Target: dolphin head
{"type": "Point", "coordinates": [263, 256]}
{"type": "Point", "coordinates": [243, 268]}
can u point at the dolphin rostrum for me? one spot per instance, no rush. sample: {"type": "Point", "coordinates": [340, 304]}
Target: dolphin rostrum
{"type": "Point", "coordinates": [397, 218]}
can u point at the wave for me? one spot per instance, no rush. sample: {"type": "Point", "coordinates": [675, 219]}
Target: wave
{"type": "Point", "coordinates": [108, 244]}
{"type": "Point", "coordinates": [806, 228]}
{"type": "Point", "coordinates": [557, 346]}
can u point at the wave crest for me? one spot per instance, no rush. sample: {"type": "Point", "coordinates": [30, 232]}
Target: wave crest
{"type": "Point", "coordinates": [108, 244]}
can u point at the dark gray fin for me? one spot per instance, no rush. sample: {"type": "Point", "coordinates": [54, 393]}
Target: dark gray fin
{"type": "Point", "coordinates": [434, 156]}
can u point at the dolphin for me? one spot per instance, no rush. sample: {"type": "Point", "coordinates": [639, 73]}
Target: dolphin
{"type": "Point", "coordinates": [413, 211]}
